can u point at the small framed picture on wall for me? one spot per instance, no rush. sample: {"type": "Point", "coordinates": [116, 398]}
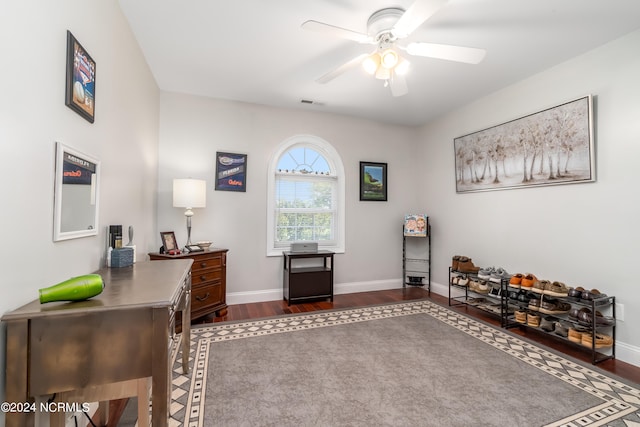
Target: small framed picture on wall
{"type": "Point", "coordinates": [373, 181]}
{"type": "Point", "coordinates": [231, 172]}
{"type": "Point", "coordinates": [80, 91]}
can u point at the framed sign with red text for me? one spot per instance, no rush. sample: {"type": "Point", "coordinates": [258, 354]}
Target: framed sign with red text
{"type": "Point", "coordinates": [231, 172]}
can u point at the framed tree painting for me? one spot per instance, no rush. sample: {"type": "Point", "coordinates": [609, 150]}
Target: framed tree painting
{"type": "Point", "coordinates": [80, 91]}
{"type": "Point", "coordinates": [373, 181]}
{"type": "Point", "coordinates": [550, 147]}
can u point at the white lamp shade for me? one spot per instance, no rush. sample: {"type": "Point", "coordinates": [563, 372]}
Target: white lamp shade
{"type": "Point", "coordinates": [189, 193]}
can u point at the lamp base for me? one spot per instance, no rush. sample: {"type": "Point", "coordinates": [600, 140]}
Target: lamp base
{"type": "Point", "coordinates": [188, 230]}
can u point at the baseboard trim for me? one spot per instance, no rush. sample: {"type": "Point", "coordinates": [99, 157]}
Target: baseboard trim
{"type": "Point", "coordinates": [624, 352]}
{"type": "Point", "coordinates": [339, 289]}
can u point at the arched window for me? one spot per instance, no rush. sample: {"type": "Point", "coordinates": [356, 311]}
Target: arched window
{"type": "Point", "coordinates": [306, 195]}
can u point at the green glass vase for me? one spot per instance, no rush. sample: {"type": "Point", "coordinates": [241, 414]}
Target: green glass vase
{"type": "Point", "coordinates": [75, 289]}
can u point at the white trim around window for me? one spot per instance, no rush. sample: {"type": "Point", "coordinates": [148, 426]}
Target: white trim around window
{"type": "Point", "coordinates": [333, 158]}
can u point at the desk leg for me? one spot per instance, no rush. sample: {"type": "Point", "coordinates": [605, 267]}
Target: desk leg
{"type": "Point", "coordinates": [186, 331]}
{"type": "Point", "coordinates": [102, 414]}
{"type": "Point", "coordinates": [143, 402]}
{"type": "Point", "coordinates": [160, 368]}
{"type": "Point", "coordinates": [16, 371]}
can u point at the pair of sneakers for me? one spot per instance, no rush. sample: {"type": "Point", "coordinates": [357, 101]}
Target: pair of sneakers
{"type": "Point", "coordinates": [494, 274]}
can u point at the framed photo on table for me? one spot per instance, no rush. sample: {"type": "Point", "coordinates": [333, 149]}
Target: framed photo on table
{"type": "Point", "coordinates": [169, 242]}
{"type": "Point", "coordinates": [80, 91]}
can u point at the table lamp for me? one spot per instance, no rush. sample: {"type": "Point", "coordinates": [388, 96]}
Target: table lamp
{"type": "Point", "coordinates": [189, 194]}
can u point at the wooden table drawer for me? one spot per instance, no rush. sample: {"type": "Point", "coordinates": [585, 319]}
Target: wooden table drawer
{"type": "Point", "coordinates": [204, 296]}
{"type": "Point", "coordinates": [204, 262]}
{"type": "Point", "coordinates": [204, 276]}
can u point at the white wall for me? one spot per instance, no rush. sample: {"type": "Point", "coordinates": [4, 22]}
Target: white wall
{"type": "Point", "coordinates": [193, 128]}
{"type": "Point", "coordinates": [33, 117]}
{"type": "Point", "coordinates": [584, 234]}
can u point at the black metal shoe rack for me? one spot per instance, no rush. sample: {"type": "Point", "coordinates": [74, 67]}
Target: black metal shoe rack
{"type": "Point", "coordinates": [416, 260]}
{"type": "Point", "coordinates": [606, 303]}
{"type": "Point", "coordinates": [494, 302]}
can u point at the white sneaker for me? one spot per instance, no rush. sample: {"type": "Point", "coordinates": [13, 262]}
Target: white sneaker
{"type": "Point", "coordinates": [485, 273]}
{"type": "Point", "coordinates": [498, 275]}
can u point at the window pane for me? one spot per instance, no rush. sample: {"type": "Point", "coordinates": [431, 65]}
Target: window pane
{"type": "Point", "coordinates": [308, 193]}
{"type": "Point", "coordinates": [303, 159]}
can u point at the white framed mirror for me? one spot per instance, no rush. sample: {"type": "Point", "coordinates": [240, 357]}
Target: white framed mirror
{"type": "Point", "coordinates": [76, 194]}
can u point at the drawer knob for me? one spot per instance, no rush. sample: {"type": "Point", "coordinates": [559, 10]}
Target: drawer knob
{"type": "Point", "coordinates": [203, 278]}
{"type": "Point", "coordinates": [202, 298]}
{"type": "Point", "coordinates": [203, 264]}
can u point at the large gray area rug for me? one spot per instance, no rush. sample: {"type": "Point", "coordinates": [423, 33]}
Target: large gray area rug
{"type": "Point", "coordinates": [406, 364]}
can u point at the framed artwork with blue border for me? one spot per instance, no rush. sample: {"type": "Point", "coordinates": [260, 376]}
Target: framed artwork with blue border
{"type": "Point", "coordinates": [80, 91]}
{"type": "Point", "coordinates": [231, 172]}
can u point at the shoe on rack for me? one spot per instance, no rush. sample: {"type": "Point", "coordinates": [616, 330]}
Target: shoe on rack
{"type": "Point", "coordinates": [556, 289]}
{"type": "Point", "coordinates": [463, 281]}
{"type": "Point", "coordinates": [533, 320]}
{"type": "Point", "coordinates": [562, 328]}
{"type": "Point", "coordinates": [592, 295]}
{"type": "Point", "coordinates": [539, 286]}
{"type": "Point", "coordinates": [516, 280]}
{"type": "Point", "coordinates": [585, 317]}
{"type": "Point", "coordinates": [547, 323]}
{"type": "Point", "coordinates": [499, 275]}
{"type": "Point", "coordinates": [554, 307]}
{"type": "Point", "coordinates": [483, 288]}
{"type": "Point", "coordinates": [575, 293]}
{"type": "Point", "coordinates": [534, 304]}
{"type": "Point", "coordinates": [601, 340]}
{"type": "Point", "coordinates": [575, 335]}
{"type": "Point", "coordinates": [520, 316]}
{"type": "Point", "coordinates": [574, 313]}
{"type": "Point", "coordinates": [454, 262]}
{"type": "Point", "coordinates": [485, 273]}
{"type": "Point", "coordinates": [524, 297]}
{"type": "Point", "coordinates": [528, 280]}
{"type": "Point", "coordinates": [465, 265]}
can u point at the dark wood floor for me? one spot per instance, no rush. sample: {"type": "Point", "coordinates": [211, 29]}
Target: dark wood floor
{"type": "Point", "coordinates": [277, 308]}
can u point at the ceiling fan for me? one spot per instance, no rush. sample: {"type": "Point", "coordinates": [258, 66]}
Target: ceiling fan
{"type": "Point", "coordinates": [385, 29]}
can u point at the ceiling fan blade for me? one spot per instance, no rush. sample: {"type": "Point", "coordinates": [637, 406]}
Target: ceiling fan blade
{"type": "Point", "coordinates": [321, 27]}
{"type": "Point", "coordinates": [415, 15]}
{"type": "Point", "coordinates": [341, 69]}
{"type": "Point", "coordinates": [398, 85]}
{"type": "Point", "coordinates": [469, 55]}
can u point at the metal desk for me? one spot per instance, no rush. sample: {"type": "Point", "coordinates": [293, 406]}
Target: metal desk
{"type": "Point", "coordinates": [122, 335]}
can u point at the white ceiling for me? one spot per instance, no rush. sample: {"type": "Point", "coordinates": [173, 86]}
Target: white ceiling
{"type": "Point", "coordinates": [255, 50]}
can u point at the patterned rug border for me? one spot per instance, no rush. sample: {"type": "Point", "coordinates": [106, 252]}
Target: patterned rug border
{"type": "Point", "coordinates": [620, 400]}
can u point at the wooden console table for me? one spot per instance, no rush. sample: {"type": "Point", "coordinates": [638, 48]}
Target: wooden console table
{"type": "Point", "coordinates": [307, 282]}
{"type": "Point", "coordinates": [80, 349]}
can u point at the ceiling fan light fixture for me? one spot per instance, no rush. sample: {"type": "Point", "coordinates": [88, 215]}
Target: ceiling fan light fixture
{"type": "Point", "coordinates": [389, 58]}
{"type": "Point", "coordinates": [371, 63]}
